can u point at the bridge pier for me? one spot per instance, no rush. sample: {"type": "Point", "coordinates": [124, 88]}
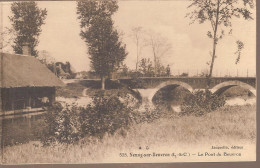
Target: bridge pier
{"type": "Point", "coordinates": [253, 91]}
{"type": "Point", "coordinates": [147, 96]}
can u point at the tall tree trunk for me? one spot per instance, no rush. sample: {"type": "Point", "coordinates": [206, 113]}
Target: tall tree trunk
{"type": "Point", "coordinates": [214, 45]}
{"type": "Point", "coordinates": [213, 57]}
{"type": "Point", "coordinates": [102, 83]}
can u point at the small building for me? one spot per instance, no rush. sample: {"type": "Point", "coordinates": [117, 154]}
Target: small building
{"type": "Point", "coordinates": [26, 84]}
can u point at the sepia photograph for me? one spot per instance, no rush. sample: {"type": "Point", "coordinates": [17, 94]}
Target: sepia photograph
{"type": "Point", "coordinates": [127, 81]}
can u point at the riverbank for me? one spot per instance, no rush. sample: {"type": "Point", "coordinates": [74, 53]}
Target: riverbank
{"type": "Point", "coordinates": [229, 125]}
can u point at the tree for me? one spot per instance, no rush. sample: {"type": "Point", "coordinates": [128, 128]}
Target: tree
{"type": "Point", "coordinates": [160, 47]}
{"type": "Point", "coordinates": [27, 19]}
{"type": "Point", "coordinates": [123, 70]}
{"type": "Point", "coordinates": [219, 13]}
{"type": "Point", "coordinates": [161, 69]}
{"type": "Point", "coordinates": [146, 67]}
{"type": "Point", "coordinates": [168, 71]}
{"type": "Point", "coordinates": [104, 46]}
{"type": "Point", "coordinates": [6, 38]}
{"type": "Point", "coordinates": [137, 36]}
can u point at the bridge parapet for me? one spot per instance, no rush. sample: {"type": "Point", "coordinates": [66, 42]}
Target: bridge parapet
{"type": "Point", "coordinates": [194, 82]}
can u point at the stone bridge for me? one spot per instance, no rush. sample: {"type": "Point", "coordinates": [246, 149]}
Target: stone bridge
{"type": "Point", "coordinates": [148, 87]}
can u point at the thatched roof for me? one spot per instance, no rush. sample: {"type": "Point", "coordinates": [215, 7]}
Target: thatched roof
{"type": "Point", "coordinates": [25, 71]}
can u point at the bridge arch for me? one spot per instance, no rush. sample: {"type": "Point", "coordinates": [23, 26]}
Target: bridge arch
{"type": "Point", "coordinates": [220, 88]}
{"type": "Point", "coordinates": [136, 94]}
{"type": "Point", "coordinates": [170, 83]}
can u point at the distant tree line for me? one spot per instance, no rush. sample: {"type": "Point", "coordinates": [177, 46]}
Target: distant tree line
{"type": "Point", "coordinates": [145, 69]}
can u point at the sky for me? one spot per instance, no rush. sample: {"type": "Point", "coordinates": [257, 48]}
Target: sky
{"type": "Point", "coordinates": [190, 46]}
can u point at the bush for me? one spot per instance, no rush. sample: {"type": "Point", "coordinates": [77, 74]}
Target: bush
{"type": "Point", "coordinates": [201, 102]}
{"type": "Point", "coordinates": [68, 123]}
{"type": "Point", "coordinates": [105, 115]}
{"type": "Point", "coordinates": [148, 115]}
{"type": "Point", "coordinates": [62, 124]}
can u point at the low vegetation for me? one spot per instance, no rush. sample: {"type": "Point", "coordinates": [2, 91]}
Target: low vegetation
{"type": "Point", "coordinates": [110, 125]}
{"type": "Point", "coordinates": [237, 91]}
{"type": "Point", "coordinates": [228, 124]}
{"type": "Point", "coordinates": [71, 90]}
{"type": "Point", "coordinates": [68, 124]}
{"type": "Point", "coordinates": [201, 102]}
{"type": "Point", "coordinates": [75, 89]}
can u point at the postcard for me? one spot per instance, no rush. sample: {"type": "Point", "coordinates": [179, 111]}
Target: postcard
{"type": "Point", "coordinates": [127, 81]}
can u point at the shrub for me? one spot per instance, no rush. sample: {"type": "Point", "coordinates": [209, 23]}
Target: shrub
{"type": "Point", "coordinates": [148, 112]}
{"type": "Point", "coordinates": [105, 115]}
{"type": "Point", "coordinates": [67, 123]}
{"type": "Point", "coordinates": [148, 115]}
{"type": "Point", "coordinates": [201, 102]}
{"type": "Point", "coordinates": [62, 125]}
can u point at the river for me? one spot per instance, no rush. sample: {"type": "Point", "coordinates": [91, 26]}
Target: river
{"type": "Point", "coordinates": [237, 101]}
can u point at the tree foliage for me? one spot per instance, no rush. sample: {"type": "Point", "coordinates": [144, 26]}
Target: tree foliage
{"type": "Point", "coordinates": [27, 19]}
{"type": "Point", "coordinates": [219, 13]}
{"type": "Point", "coordinates": [104, 45]}
{"type": "Point", "coordinates": [146, 67]}
{"type": "Point", "coordinates": [106, 115]}
{"type": "Point", "coordinates": [68, 123]}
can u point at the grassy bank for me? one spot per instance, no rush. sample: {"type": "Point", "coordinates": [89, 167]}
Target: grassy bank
{"type": "Point", "coordinates": [71, 90]}
{"type": "Point", "coordinates": [228, 125]}
{"type": "Point", "coordinates": [75, 90]}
